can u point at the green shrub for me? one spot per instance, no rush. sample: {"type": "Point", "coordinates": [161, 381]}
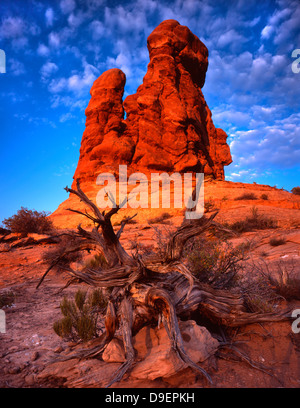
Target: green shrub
{"type": "Point", "coordinates": [264, 197]}
{"type": "Point", "coordinates": [81, 315]}
{"type": "Point", "coordinates": [296, 190]}
{"type": "Point", "coordinates": [285, 282]}
{"type": "Point", "coordinates": [28, 221]}
{"type": "Point", "coordinates": [216, 263]}
{"type": "Point", "coordinates": [277, 241]}
{"type": "Point", "coordinates": [209, 205]}
{"type": "Point", "coordinates": [62, 254]}
{"type": "Point", "coordinates": [275, 282]}
{"type": "Point", "coordinates": [253, 222]}
{"type": "Point", "coordinates": [128, 220]}
{"type": "Point", "coordinates": [98, 261]}
{"type": "Point", "coordinates": [247, 196]}
{"type": "Point", "coordinates": [258, 293]}
{"type": "Point", "coordinates": [160, 219]}
{"type": "Point", "coordinates": [7, 298]}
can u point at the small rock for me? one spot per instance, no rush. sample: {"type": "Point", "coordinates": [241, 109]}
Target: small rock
{"type": "Point", "coordinates": [36, 340]}
{"type": "Point", "coordinates": [12, 349]}
{"type": "Point", "coordinates": [14, 370]}
{"type": "Point", "coordinates": [34, 356]}
{"type": "Point", "coordinates": [58, 349]}
{"type": "Point", "coordinates": [30, 379]}
{"type": "Point", "coordinates": [23, 366]}
{"type": "Point", "coordinates": [158, 359]}
{"type": "Point", "coordinates": [4, 247]}
{"type": "Point", "coordinates": [114, 352]}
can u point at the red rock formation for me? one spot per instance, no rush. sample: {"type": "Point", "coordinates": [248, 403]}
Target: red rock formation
{"type": "Point", "coordinates": [168, 125]}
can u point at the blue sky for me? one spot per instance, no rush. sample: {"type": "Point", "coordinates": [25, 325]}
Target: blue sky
{"type": "Point", "coordinates": [56, 49]}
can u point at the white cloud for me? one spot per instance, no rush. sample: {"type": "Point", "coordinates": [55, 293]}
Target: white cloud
{"type": "Point", "coordinates": [54, 40]}
{"type": "Point", "coordinates": [65, 117]}
{"type": "Point", "coordinates": [272, 145]}
{"type": "Point", "coordinates": [77, 83]}
{"type": "Point", "coordinates": [17, 31]}
{"type": "Point", "coordinates": [68, 102]}
{"type": "Point", "coordinates": [131, 20]}
{"type": "Point", "coordinates": [48, 69]}
{"type": "Point", "coordinates": [43, 50]}
{"type": "Point", "coordinates": [49, 16]}
{"type": "Point", "coordinates": [75, 20]}
{"type": "Point", "coordinates": [122, 62]}
{"type": "Point", "coordinates": [267, 32]}
{"type": "Point", "coordinates": [67, 6]}
{"type": "Point", "coordinates": [231, 38]}
{"type": "Point", "coordinates": [12, 27]}
{"type": "Point", "coordinates": [97, 29]}
{"type": "Point", "coordinates": [16, 67]}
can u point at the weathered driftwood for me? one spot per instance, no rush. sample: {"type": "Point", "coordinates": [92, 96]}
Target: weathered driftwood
{"type": "Point", "coordinates": [152, 288]}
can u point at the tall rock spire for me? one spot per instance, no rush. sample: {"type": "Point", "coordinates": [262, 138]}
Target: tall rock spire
{"type": "Point", "coordinates": [168, 125]}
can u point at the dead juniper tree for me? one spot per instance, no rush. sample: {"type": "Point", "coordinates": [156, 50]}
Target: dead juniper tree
{"type": "Point", "coordinates": [150, 288]}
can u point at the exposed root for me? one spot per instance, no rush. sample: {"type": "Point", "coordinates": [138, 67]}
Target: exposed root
{"type": "Point", "coordinates": [152, 288]}
{"type": "Point", "coordinates": [161, 301]}
{"type": "Point", "coordinates": [127, 322]}
{"type": "Point", "coordinates": [237, 355]}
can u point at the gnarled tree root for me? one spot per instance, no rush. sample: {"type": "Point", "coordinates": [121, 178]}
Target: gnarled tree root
{"type": "Point", "coordinates": [148, 288]}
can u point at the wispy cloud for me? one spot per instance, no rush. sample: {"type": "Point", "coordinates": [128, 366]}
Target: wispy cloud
{"type": "Point", "coordinates": [49, 16]}
{"type": "Point", "coordinates": [67, 6]}
{"type": "Point", "coordinates": [250, 87]}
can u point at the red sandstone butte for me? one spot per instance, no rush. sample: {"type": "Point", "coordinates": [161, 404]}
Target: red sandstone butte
{"type": "Point", "coordinates": [168, 125]}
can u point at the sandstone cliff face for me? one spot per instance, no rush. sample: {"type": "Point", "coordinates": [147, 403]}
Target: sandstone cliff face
{"type": "Point", "coordinates": [168, 125]}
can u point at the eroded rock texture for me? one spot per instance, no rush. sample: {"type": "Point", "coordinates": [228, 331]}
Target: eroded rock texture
{"type": "Point", "coordinates": [168, 125]}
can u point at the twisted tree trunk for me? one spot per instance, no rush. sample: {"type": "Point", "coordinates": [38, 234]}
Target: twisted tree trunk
{"type": "Point", "coordinates": [152, 287]}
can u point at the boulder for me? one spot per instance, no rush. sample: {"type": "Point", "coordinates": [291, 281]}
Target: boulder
{"type": "Point", "coordinates": [154, 353]}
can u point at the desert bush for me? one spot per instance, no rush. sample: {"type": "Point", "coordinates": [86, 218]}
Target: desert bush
{"type": "Point", "coordinates": [160, 219]}
{"type": "Point", "coordinates": [259, 294]}
{"type": "Point", "coordinates": [4, 231]}
{"type": "Point", "coordinates": [278, 278]}
{"type": "Point", "coordinates": [162, 235]}
{"type": "Point", "coordinates": [264, 197]}
{"type": "Point", "coordinates": [80, 316]}
{"type": "Point", "coordinates": [98, 261]}
{"type": "Point", "coordinates": [63, 253]}
{"type": "Point", "coordinates": [253, 222]}
{"type": "Point", "coordinates": [28, 221]}
{"type": "Point", "coordinates": [277, 241]}
{"type": "Point", "coordinates": [128, 220]}
{"type": "Point", "coordinates": [217, 263]}
{"type": "Point", "coordinates": [7, 298]}
{"type": "Point", "coordinates": [247, 196]}
{"type": "Point", "coordinates": [284, 280]}
{"type": "Point", "coordinates": [296, 190]}
{"type": "Point", "coordinates": [209, 205]}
